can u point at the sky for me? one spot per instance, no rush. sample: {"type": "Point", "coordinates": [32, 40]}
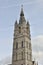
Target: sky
{"type": "Point", "coordinates": [9, 13]}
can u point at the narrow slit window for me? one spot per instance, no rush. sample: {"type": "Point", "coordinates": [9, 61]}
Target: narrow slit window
{"type": "Point", "coordinates": [22, 44]}
{"type": "Point", "coordinates": [16, 45]}
{"type": "Point", "coordinates": [22, 55]}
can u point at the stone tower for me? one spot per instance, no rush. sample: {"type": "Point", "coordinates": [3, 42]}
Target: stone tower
{"type": "Point", "coordinates": [22, 52]}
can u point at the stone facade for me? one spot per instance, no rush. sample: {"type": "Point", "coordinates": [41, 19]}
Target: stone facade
{"type": "Point", "coordinates": [22, 50]}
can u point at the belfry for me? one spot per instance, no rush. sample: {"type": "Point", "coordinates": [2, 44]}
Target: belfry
{"type": "Point", "coordinates": [22, 50]}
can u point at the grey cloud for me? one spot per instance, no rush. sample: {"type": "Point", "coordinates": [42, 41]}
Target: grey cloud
{"type": "Point", "coordinates": [37, 48]}
{"type": "Point", "coordinates": [6, 61]}
{"type": "Point", "coordinates": [37, 43]}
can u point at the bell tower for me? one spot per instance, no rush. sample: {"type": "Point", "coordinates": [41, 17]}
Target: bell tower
{"type": "Point", "coordinates": [22, 52]}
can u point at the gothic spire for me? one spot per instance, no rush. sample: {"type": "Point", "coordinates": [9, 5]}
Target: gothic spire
{"type": "Point", "coordinates": [22, 13]}
{"type": "Point", "coordinates": [22, 18]}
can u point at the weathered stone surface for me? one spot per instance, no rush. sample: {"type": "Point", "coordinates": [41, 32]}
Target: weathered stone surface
{"type": "Point", "coordinates": [22, 51]}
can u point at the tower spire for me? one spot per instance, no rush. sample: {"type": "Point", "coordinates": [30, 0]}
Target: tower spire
{"type": "Point", "coordinates": [22, 18]}
{"type": "Point", "coordinates": [22, 13]}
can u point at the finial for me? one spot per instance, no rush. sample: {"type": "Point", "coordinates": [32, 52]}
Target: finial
{"type": "Point", "coordinates": [22, 13]}
{"type": "Point", "coordinates": [22, 7]}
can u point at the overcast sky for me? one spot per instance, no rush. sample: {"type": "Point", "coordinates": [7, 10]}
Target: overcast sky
{"type": "Point", "coordinates": [9, 12]}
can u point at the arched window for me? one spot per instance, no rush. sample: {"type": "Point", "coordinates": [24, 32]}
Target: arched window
{"type": "Point", "coordinates": [16, 45]}
{"type": "Point", "coordinates": [19, 29]}
{"type": "Point", "coordinates": [22, 44]}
